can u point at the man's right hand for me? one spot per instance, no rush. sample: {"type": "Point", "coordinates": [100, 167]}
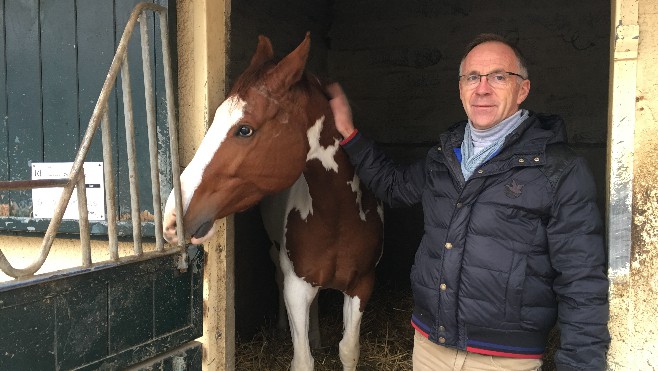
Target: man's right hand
{"type": "Point", "coordinates": [341, 109]}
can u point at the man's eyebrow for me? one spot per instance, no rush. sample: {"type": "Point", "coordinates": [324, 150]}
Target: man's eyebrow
{"type": "Point", "coordinates": [475, 72]}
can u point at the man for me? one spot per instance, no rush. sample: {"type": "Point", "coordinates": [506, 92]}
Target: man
{"type": "Point", "coordinates": [513, 238]}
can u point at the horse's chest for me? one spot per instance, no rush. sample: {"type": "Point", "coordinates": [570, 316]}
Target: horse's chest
{"type": "Point", "coordinates": [324, 245]}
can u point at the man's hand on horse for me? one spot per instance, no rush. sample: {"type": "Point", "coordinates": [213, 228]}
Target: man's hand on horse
{"type": "Point", "coordinates": [341, 109]}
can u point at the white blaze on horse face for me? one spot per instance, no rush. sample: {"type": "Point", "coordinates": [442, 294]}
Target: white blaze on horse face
{"type": "Point", "coordinates": [316, 151]}
{"type": "Point", "coordinates": [228, 114]}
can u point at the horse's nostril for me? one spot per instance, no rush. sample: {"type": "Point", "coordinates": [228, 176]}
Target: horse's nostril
{"type": "Point", "coordinates": [203, 230]}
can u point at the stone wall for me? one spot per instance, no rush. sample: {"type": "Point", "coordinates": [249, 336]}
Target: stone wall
{"type": "Point", "coordinates": [633, 324]}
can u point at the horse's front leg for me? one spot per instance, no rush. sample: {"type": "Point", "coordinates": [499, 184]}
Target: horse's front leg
{"type": "Point", "coordinates": [349, 347]}
{"type": "Point", "coordinates": [282, 318]}
{"type": "Point", "coordinates": [298, 295]}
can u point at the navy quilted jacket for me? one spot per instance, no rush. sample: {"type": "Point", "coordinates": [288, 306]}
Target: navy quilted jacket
{"type": "Point", "coordinates": [508, 253]}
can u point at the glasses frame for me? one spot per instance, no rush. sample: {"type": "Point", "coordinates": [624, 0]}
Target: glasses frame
{"type": "Point", "coordinates": [465, 83]}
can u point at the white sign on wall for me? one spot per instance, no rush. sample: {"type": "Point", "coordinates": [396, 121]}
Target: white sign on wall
{"type": "Point", "coordinates": [44, 200]}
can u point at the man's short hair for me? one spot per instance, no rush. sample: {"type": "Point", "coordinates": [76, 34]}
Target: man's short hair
{"type": "Point", "coordinates": [492, 37]}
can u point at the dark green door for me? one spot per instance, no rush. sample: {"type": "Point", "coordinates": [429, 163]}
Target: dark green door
{"type": "Point", "coordinates": [55, 57]}
{"type": "Point", "coordinates": [144, 313]}
{"type": "Point", "coordinates": [107, 318]}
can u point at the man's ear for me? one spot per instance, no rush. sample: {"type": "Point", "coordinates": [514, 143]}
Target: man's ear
{"type": "Point", "coordinates": [524, 90]}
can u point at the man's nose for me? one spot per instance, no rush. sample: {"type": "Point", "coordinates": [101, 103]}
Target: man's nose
{"type": "Point", "coordinates": [483, 86]}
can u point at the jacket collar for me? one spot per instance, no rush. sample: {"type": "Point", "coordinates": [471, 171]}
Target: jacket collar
{"type": "Point", "coordinates": [531, 137]}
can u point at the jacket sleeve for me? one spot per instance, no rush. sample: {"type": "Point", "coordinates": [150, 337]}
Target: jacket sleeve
{"type": "Point", "coordinates": [394, 184]}
{"type": "Point", "coordinates": [576, 246]}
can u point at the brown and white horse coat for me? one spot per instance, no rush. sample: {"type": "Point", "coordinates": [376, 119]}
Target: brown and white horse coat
{"type": "Point", "coordinates": [273, 139]}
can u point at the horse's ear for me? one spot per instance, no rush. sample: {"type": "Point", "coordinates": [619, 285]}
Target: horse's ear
{"type": "Point", "coordinates": [291, 68]}
{"type": "Point", "coordinates": [263, 52]}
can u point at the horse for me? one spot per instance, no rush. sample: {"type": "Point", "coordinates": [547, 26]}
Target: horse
{"type": "Point", "coordinates": [273, 140]}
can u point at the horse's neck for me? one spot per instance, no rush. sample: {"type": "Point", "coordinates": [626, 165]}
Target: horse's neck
{"type": "Point", "coordinates": [328, 168]}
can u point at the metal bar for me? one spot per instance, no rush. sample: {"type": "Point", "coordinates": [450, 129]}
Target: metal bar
{"type": "Point", "coordinates": [173, 128]}
{"type": "Point", "coordinates": [31, 184]}
{"type": "Point", "coordinates": [100, 110]}
{"type": "Point", "coordinates": [152, 132]}
{"type": "Point", "coordinates": [132, 157]}
{"type": "Point", "coordinates": [83, 219]}
{"type": "Point", "coordinates": [47, 241]}
{"type": "Point", "coordinates": [110, 189]}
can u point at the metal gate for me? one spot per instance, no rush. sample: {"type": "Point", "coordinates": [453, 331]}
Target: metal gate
{"type": "Point", "coordinates": [139, 310]}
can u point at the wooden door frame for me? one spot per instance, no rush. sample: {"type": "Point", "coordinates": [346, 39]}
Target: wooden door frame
{"type": "Point", "coordinates": [202, 39]}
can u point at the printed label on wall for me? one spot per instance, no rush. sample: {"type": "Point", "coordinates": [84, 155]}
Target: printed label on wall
{"type": "Point", "coordinates": [45, 200]}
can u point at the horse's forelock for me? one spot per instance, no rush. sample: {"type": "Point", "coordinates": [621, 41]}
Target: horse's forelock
{"type": "Point", "coordinates": [253, 77]}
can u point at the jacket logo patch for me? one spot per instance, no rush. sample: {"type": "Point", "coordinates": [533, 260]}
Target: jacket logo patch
{"type": "Point", "coordinates": [514, 189]}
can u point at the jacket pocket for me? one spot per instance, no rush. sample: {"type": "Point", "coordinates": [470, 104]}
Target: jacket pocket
{"type": "Point", "coordinates": [514, 292]}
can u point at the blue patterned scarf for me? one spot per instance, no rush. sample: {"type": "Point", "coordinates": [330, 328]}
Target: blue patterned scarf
{"type": "Point", "coordinates": [480, 145]}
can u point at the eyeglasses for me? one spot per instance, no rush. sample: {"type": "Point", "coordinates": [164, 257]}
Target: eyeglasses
{"type": "Point", "coordinates": [496, 79]}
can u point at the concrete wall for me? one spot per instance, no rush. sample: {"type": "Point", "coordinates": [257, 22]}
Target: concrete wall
{"type": "Point", "coordinates": [634, 290]}
{"type": "Point", "coordinates": [398, 62]}
{"type": "Point", "coordinates": [285, 23]}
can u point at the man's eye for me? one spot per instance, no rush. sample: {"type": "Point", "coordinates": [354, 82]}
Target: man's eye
{"type": "Point", "coordinates": [500, 77]}
{"type": "Point", "coordinates": [472, 78]}
{"type": "Point", "coordinates": [244, 131]}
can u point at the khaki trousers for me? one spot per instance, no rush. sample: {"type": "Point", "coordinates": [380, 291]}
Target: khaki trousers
{"type": "Point", "coordinates": [428, 356]}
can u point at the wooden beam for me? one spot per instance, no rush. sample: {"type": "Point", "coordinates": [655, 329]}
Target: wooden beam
{"type": "Point", "coordinates": [202, 48]}
{"type": "Point", "coordinates": [624, 45]}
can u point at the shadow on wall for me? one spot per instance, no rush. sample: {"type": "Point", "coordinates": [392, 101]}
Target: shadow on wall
{"type": "Point", "coordinates": [255, 288]}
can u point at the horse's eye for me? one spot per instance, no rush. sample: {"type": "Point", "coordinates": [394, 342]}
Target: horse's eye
{"type": "Point", "coordinates": [244, 131]}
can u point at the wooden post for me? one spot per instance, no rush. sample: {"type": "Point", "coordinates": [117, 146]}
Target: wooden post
{"type": "Point", "coordinates": [202, 34]}
{"type": "Point", "coordinates": [624, 46]}
{"type": "Point", "coordinates": [621, 128]}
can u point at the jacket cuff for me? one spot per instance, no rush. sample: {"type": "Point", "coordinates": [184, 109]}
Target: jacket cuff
{"type": "Point", "coordinates": [348, 139]}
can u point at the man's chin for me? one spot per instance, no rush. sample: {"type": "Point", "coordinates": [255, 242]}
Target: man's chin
{"type": "Point", "coordinates": [483, 124]}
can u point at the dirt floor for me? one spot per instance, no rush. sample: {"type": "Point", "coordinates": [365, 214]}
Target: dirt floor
{"type": "Point", "coordinates": [386, 337]}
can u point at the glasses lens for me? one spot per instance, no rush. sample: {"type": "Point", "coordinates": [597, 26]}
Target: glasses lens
{"type": "Point", "coordinates": [497, 79]}
{"type": "Point", "coordinates": [472, 79]}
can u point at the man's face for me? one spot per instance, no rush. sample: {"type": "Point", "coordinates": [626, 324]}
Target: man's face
{"type": "Point", "coordinates": [485, 105]}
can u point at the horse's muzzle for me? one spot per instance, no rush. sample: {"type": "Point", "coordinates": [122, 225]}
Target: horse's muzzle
{"type": "Point", "coordinates": [202, 231]}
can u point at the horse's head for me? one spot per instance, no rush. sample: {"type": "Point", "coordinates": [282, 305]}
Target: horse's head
{"type": "Point", "coordinates": [255, 146]}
